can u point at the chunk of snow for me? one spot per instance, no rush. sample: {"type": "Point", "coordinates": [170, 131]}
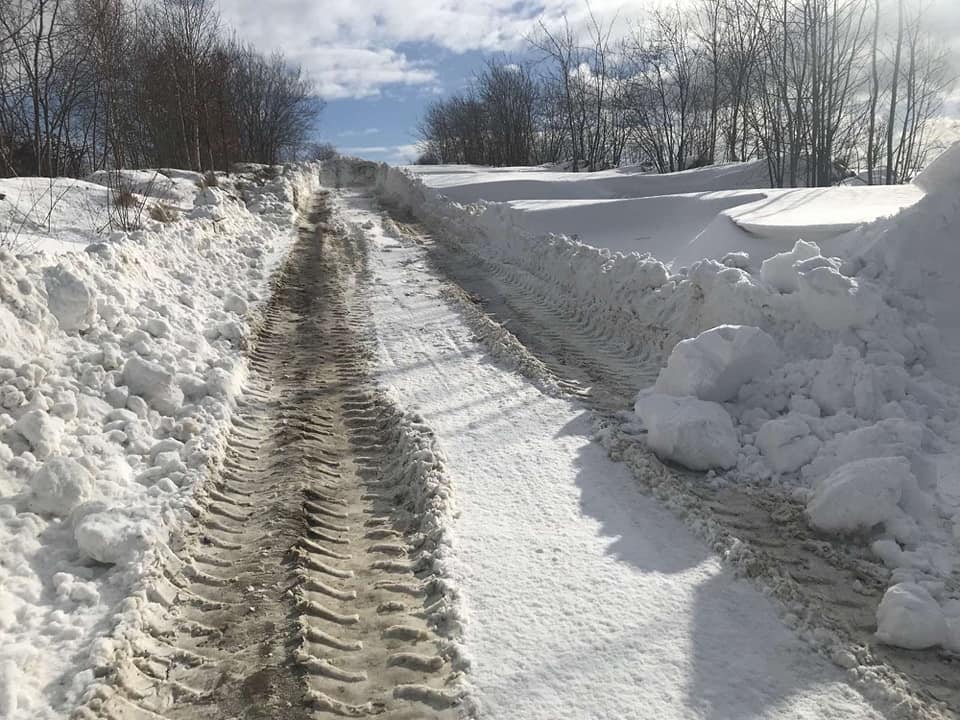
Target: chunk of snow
{"type": "Point", "coordinates": [157, 327]}
{"type": "Point", "coordinates": [887, 438]}
{"type": "Point", "coordinates": [110, 537]}
{"type": "Point", "coordinates": [11, 680]}
{"type": "Point", "coordinates": [740, 260]}
{"type": "Point", "coordinates": [235, 303]}
{"type": "Point", "coordinates": [787, 443]}
{"type": "Point", "coordinates": [153, 383]}
{"type": "Point", "coordinates": [859, 495]}
{"type": "Point", "coordinates": [909, 617]}
{"type": "Point", "coordinates": [60, 486]}
{"type": "Point", "coordinates": [43, 432]}
{"type": "Point", "coordinates": [831, 388]}
{"type": "Point", "coordinates": [889, 552]}
{"type": "Point", "coordinates": [713, 365]}
{"type": "Point", "coordinates": [71, 300]}
{"type": "Point", "coordinates": [834, 301]}
{"type": "Point", "coordinates": [694, 433]}
{"type": "Point", "coordinates": [779, 272]}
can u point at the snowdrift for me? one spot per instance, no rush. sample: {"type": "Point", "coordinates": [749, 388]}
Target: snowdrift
{"type": "Point", "coordinates": [679, 217]}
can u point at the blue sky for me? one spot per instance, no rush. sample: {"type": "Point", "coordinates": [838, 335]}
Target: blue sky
{"type": "Point", "coordinates": [378, 63]}
{"type": "Point", "coordinates": [383, 126]}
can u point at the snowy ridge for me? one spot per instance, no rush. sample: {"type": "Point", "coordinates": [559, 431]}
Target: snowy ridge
{"type": "Point", "coordinates": [121, 368]}
{"type": "Point", "coordinates": [862, 378]}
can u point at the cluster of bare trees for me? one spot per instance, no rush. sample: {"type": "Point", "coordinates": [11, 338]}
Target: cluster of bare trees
{"type": "Point", "coordinates": [818, 88]}
{"type": "Point", "coordinates": [93, 84]}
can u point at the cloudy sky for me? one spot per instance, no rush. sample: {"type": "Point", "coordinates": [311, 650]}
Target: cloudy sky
{"type": "Point", "coordinates": [377, 63]}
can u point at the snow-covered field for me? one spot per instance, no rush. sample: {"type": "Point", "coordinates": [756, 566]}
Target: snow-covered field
{"type": "Point", "coordinates": [678, 218]}
{"type": "Point", "coordinates": [121, 354]}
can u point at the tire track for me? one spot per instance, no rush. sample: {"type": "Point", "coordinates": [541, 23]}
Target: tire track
{"type": "Point", "coordinates": [308, 585]}
{"type": "Point", "coordinates": [829, 588]}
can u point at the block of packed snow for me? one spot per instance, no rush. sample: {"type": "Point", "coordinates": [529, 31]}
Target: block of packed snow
{"type": "Point", "coordinates": [71, 300]}
{"type": "Point", "coordinates": [909, 617]}
{"type": "Point", "coordinates": [832, 388]}
{"type": "Point", "coordinates": [889, 552]}
{"type": "Point", "coordinates": [154, 384]}
{"type": "Point", "coordinates": [694, 433]}
{"type": "Point", "coordinates": [42, 431]}
{"type": "Point", "coordinates": [834, 301]}
{"type": "Point", "coordinates": [887, 438]}
{"type": "Point", "coordinates": [11, 684]}
{"type": "Point", "coordinates": [740, 260]}
{"type": "Point", "coordinates": [859, 495]}
{"type": "Point", "coordinates": [943, 174]}
{"type": "Point", "coordinates": [59, 486]}
{"type": "Point", "coordinates": [235, 303]}
{"type": "Point", "coordinates": [779, 272]}
{"type": "Point", "coordinates": [110, 537]}
{"type": "Point", "coordinates": [157, 327]}
{"type": "Point", "coordinates": [787, 443]}
{"type": "Point", "coordinates": [713, 365]}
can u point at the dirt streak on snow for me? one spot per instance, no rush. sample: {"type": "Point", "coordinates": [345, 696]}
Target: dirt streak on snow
{"type": "Point", "coordinates": [582, 597]}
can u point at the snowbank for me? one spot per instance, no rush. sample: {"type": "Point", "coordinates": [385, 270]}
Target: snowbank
{"type": "Point", "coordinates": [119, 368]}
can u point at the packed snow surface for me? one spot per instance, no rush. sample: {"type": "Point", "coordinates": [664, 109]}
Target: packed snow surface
{"type": "Point", "coordinates": [581, 597]}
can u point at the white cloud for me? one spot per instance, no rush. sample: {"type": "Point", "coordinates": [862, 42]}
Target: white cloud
{"type": "Point", "coordinates": [354, 72]}
{"type": "Point", "coordinates": [351, 46]}
{"type": "Point", "coordinates": [356, 133]}
{"type": "Point", "coordinates": [392, 154]}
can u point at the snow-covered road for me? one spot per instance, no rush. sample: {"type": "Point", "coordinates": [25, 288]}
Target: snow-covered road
{"type": "Point", "coordinates": [582, 597]}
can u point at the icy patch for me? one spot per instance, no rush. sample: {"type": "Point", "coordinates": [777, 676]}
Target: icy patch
{"type": "Point", "coordinates": [694, 433]}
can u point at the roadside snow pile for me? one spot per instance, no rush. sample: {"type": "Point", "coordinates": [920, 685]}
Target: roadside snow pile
{"type": "Point", "coordinates": [837, 382]}
{"type": "Point", "coordinates": [118, 371]}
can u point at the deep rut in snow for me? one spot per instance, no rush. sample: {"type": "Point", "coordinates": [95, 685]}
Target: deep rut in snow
{"type": "Point", "coordinates": [826, 584]}
{"type": "Point", "coordinates": [305, 588]}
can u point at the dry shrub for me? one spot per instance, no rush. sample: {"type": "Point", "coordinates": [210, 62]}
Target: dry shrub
{"type": "Point", "coordinates": [124, 198]}
{"type": "Point", "coordinates": [163, 213]}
